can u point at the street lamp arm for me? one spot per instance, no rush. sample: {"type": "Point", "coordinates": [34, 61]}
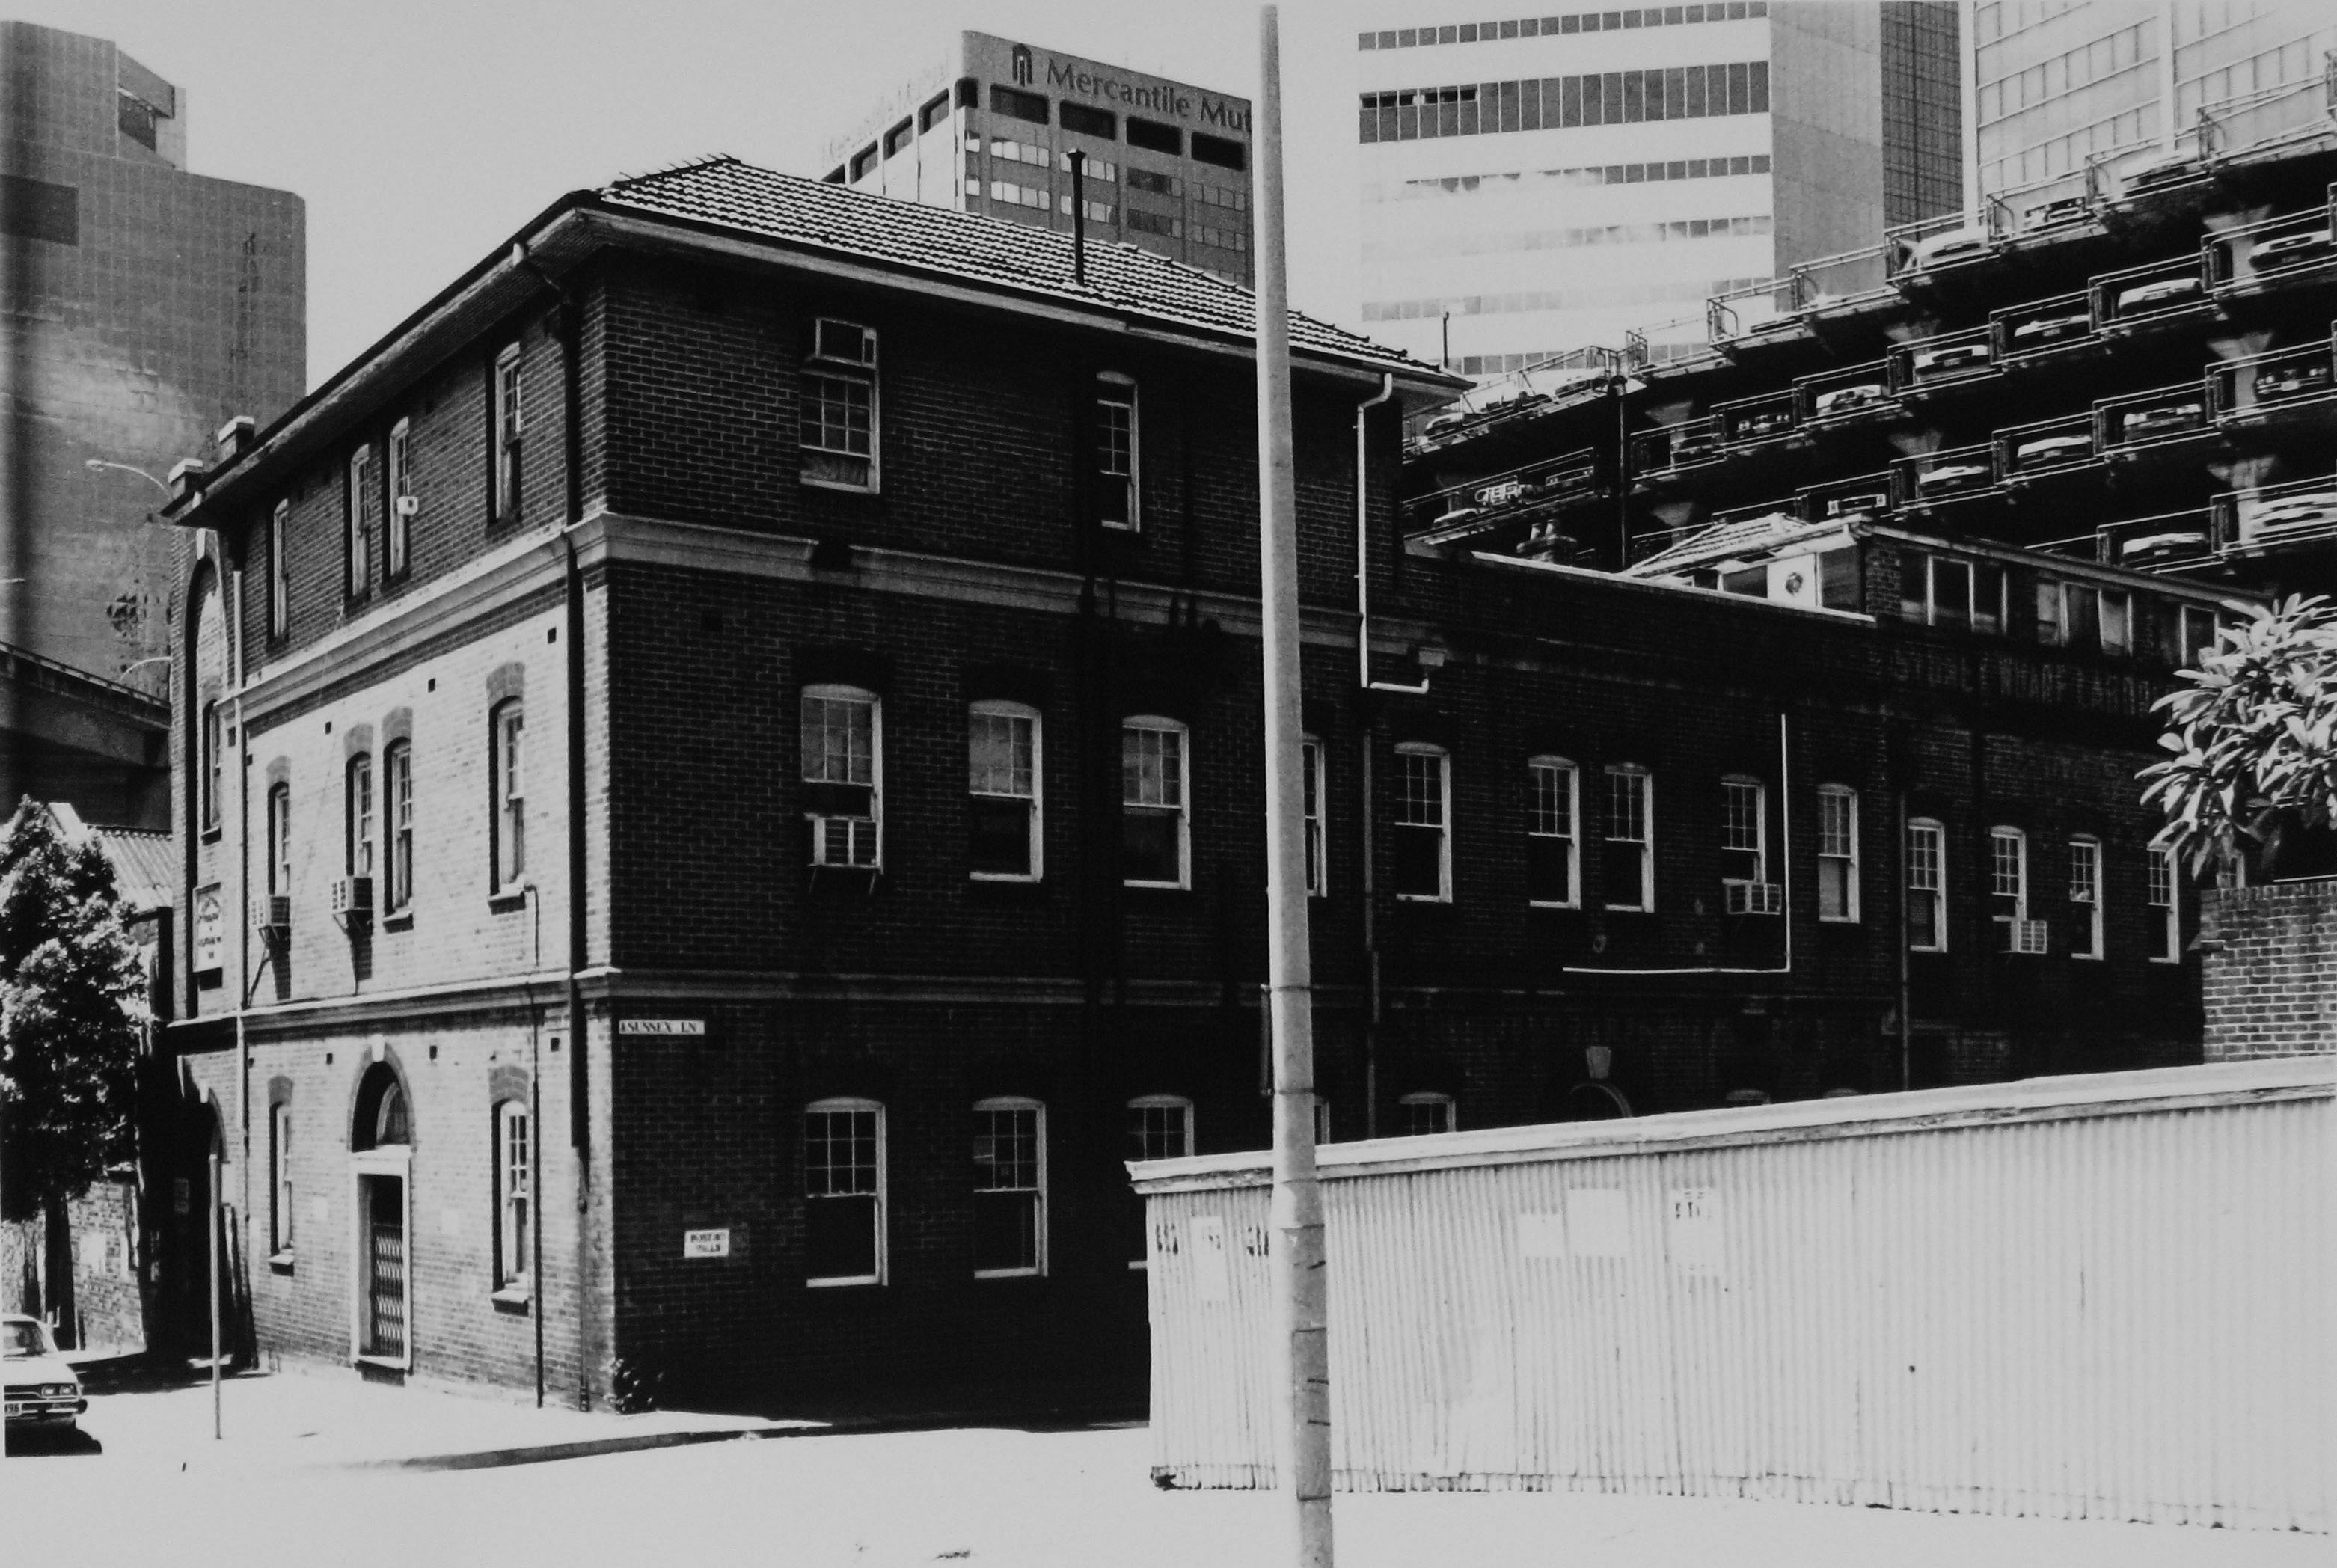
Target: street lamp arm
{"type": "Point", "coordinates": [99, 466]}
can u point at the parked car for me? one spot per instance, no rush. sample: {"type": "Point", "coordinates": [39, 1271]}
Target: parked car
{"type": "Point", "coordinates": [2039, 330]}
{"type": "Point", "coordinates": [1459, 514]}
{"type": "Point", "coordinates": [2158, 294]}
{"type": "Point", "coordinates": [1865, 503]}
{"type": "Point", "coordinates": [1956, 245]}
{"type": "Point", "coordinates": [2292, 251]}
{"type": "Point", "coordinates": [1445, 424]}
{"type": "Point", "coordinates": [2167, 169]}
{"type": "Point", "coordinates": [1849, 399]}
{"type": "Point", "coordinates": [1948, 359]}
{"type": "Point", "coordinates": [2293, 379]}
{"type": "Point", "coordinates": [1960, 474]}
{"type": "Point", "coordinates": [2290, 515]}
{"type": "Point", "coordinates": [1501, 493]}
{"type": "Point", "coordinates": [1761, 422]}
{"type": "Point", "coordinates": [2055, 214]}
{"type": "Point", "coordinates": [2174, 543]}
{"type": "Point", "coordinates": [43, 1391]}
{"type": "Point", "coordinates": [1693, 443]}
{"type": "Point", "coordinates": [2162, 419]}
{"type": "Point", "coordinates": [2044, 451]}
{"type": "Point", "coordinates": [1566, 481]}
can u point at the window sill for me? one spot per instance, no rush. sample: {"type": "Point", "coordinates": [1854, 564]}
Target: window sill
{"type": "Point", "coordinates": [281, 1262]}
{"type": "Point", "coordinates": [506, 903]}
{"type": "Point", "coordinates": [401, 921]}
{"type": "Point", "coordinates": [1009, 1273]}
{"type": "Point", "coordinates": [1555, 908]}
{"type": "Point", "coordinates": [512, 1298]}
{"type": "Point", "coordinates": [1156, 886]}
{"type": "Point", "coordinates": [843, 1282]}
{"type": "Point", "coordinates": [1627, 909]}
{"type": "Point", "coordinates": [388, 1363]}
{"type": "Point", "coordinates": [1430, 899]}
{"type": "Point", "coordinates": [1838, 920]}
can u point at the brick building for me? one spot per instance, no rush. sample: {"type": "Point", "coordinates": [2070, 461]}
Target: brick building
{"type": "Point", "coordinates": [740, 718]}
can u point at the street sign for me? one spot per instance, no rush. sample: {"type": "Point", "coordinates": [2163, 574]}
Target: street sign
{"type": "Point", "coordinates": [706, 1243]}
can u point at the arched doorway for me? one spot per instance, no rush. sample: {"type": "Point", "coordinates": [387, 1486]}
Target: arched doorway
{"type": "Point", "coordinates": [381, 1158]}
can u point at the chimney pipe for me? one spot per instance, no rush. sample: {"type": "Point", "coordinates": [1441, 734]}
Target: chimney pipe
{"type": "Point", "coordinates": [1079, 218]}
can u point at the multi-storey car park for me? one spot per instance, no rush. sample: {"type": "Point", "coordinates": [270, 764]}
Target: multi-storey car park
{"type": "Point", "coordinates": [2140, 377]}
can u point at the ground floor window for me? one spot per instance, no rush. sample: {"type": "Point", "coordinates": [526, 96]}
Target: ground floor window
{"type": "Point", "coordinates": [1010, 1188]}
{"type": "Point", "coordinates": [843, 1192]}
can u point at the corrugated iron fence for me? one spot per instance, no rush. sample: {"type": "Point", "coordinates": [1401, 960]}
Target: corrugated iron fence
{"type": "Point", "coordinates": [2101, 1297]}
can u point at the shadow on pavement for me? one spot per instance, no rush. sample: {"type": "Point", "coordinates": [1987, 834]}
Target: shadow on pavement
{"type": "Point", "coordinates": [146, 1374]}
{"type": "Point", "coordinates": [1020, 1408]}
{"type": "Point", "coordinates": [62, 1442]}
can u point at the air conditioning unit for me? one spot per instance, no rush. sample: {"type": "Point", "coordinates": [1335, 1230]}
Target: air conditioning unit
{"type": "Point", "coordinates": [1754, 897]}
{"type": "Point", "coordinates": [353, 896]}
{"type": "Point", "coordinates": [409, 505]}
{"type": "Point", "coordinates": [2026, 935]}
{"type": "Point", "coordinates": [845, 842]}
{"type": "Point", "coordinates": [279, 912]}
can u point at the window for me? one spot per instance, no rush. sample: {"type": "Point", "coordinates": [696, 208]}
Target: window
{"type": "Point", "coordinates": [279, 570]}
{"type": "Point", "coordinates": [511, 428]}
{"type": "Point", "coordinates": [1837, 853]}
{"type": "Point", "coordinates": [398, 780]}
{"type": "Point", "coordinates": [398, 544]}
{"type": "Point", "coordinates": [1016, 104]}
{"type": "Point", "coordinates": [1630, 860]}
{"type": "Point", "coordinates": [1423, 871]}
{"type": "Point", "coordinates": [1217, 150]}
{"type": "Point", "coordinates": [280, 1182]}
{"type": "Point", "coordinates": [1117, 497]}
{"type": "Point", "coordinates": [1743, 830]}
{"type": "Point", "coordinates": [1010, 1188]}
{"type": "Point", "coordinates": [357, 522]}
{"type": "Point", "coordinates": [897, 138]}
{"type": "Point", "coordinates": [1553, 855]}
{"type": "Point", "coordinates": [279, 840]}
{"type": "Point", "coordinates": [1002, 777]}
{"type": "Point", "coordinates": [843, 1192]}
{"type": "Point", "coordinates": [2166, 914]}
{"type": "Point", "coordinates": [1963, 595]}
{"type": "Point", "coordinates": [515, 1199]}
{"type": "Point", "coordinates": [2095, 620]}
{"type": "Point", "coordinates": [1154, 137]}
{"type": "Point", "coordinates": [837, 424]}
{"type": "Point", "coordinates": [1160, 1127]}
{"type": "Point", "coordinates": [2008, 889]}
{"type": "Point", "coordinates": [1425, 1113]}
{"type": "Point", "coordinates": [933, 113]}
{"type": "Point", "coordinates": [1310, 766]}
{"type": "Point", "coordinates": [1089, 121]}
{"type": "Point", "coordinates": [2191, 633]}
{"type": "Point", "coordinates": [506, 728]}
{"type": "Point", "coordinates": [1927, 888]}
{"type": "Point", "coordinates": [360, 816]}
{"type": "Point", "coordinates": [1154, 822]}
{"type": "Point", "coordinates": [2086, 898]}
{"type": "Point", "coordinates": [212, 747]}
{"type": "Point", "coordinates": [843, 767]}
{"type": "Point", "coordinates": [1322, 1119]}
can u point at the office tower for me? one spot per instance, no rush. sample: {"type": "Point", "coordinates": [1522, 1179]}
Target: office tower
{"type": "Point", "coordinates": [145, 306]}
{"type": "Point", "coordinates": [2062, 90]}
{"type": "Point", "coordinates": [1536, 186]}
{"type": "Point", "coordinates": [990, 128]}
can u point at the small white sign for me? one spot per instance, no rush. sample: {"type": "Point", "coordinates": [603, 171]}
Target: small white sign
{"type": "Point", "coordinates": [706, 1243]}
{"type": "Point", "coordinates": [1209, 1276]}
{"type": "Point", "coordinates": [660, 1025]}
{"type": "Point", "coordinates": [1695, 1232]}
{"type": "Point", "coordinates": [1541, 1236]}
{"type": "Point", "coordinates": [1598, 1222]}
{"type": "Point", "coordinates": [209, 929]}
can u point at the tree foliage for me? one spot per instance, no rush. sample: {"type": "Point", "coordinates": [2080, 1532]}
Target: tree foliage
{"type": "Point", "coordinates": [2253, 738]}
{"type": "Point", "coordinates": [71, 1006]}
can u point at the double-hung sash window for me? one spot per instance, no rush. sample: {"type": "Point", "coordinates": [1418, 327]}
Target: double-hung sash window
{"type": "Point", "coordinates": [1837, 853]}
{"type": "Point", "coordinates": [843, 772]}
{"type": "Point", "coordinates": [2092, 619]}
{"type": "Point", "coordinates": [279, 1181]}
{"type": "Point", "coordinates": [1117, 476]}
{"type": "Point", "coordinates": [1927, 887]}
{"type": "Point", "coordinates": [1423, 867]}
{"type": "Point", "coordinates": [843, 1192]}
{"type": "Point", "coordinates": [356, 518]}
{"type": "Point", "coordinates": [398, 531]}
{"type": "Point", "coordinates": [214, 743]}
{"type": "Point", "coordinates": [1425, 1113]}
{"type": "Point", "coordinates": [2086, 898]}
{"type": "Point", "coordinates": [2008, 889]}
{"type": "Point", "coordinates": [2166, 911]}
{"type": "Point", "coordinates": [1311, 786]}
{"type": "Point", "coordinates": [506, 732]}
{"type": "Point", "coordinates": [1630, 861]}
{"type": "Point", "coordinates": [510, 434]}
{"type": "Point", "coordinates": [279, 840]}
{"type": "Point", "coordinates": [1960, 594]}
{"type": "Point", "coordinates": [836, 424]}
{"type": "Point", "coordinates": [1002, 763]}
{"type": "Point", "coordinates": [2191, 633]}
{"type": "Point", "coordinates": [1160, 1127]}
{"type": "Point", "coordinates": [397, 785]}
{"type": "Point", "coordinates": [514, 1197]}
{"type": "Point", "coordinates": [1743, 830]}
{"type": "Point", "coordinates": [1553, 853]}
{"type": "Point", "coordinates": [1010, 1188]}
{"type": "Point", "coordinates": [279, 570]}
{"type": "Point", "coordinates": [1155, 822]}
{"type": "Point", "coordinates": [360, 813]}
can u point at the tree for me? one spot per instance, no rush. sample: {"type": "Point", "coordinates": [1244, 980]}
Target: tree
{"type": "Point", "coordinates": [70, 1007]}
{"type": "Point", "coordinates": [2253, 738]}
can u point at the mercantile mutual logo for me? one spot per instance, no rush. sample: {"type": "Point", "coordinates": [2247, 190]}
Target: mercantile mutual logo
{"type": "Point", "coordinates": [1157, 97]}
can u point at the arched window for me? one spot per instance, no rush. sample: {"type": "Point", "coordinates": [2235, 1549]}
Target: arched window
{"type": "Point", "coordinates": [397, 785]}
{"type": "Point", "coordinates": [1743, 829]}
{"type": "Point", "coordinates": [2008, 886]}
{"type": "Point", "coordinates": [213, 743]}
{"type": "Point", "coordinates": [397, 546]}
{"type": "Point", "coordinates": [280, 1182]}
{"type": "Point", "coordinates": [1118, 477]}
{"type": "Point", "coordinates": [507, 788]}
{"type": "Point", "coordinates": [2085, 897]}
{"type": "Point", "coordinates": [2165, 910]}
{"type": "Point", "coordinates": [1155, 822]}
{"type": "Point", "coordinates": [1837, 852]}
{"type": "Point", "coordinates": [1629, 858]}
{"type": "Point", "coordinates": [1927, 886]}
{"type": "Point", "coordinates": [1425, 1112]}
{"type": "Point", "coordinates": [382, 1119]}
{"type": "Point", "coordinates": [509, 436]}
{"type": "Point", "coordinates": [514, 1197]}
{"type": "Point", "coordinates": [1423, 867]}
{"type": "Point", "coordinates": [1553, 853]}
{"type": "Point", "coordinates": [1002, 759]}
{"type": "Point", "coordinates": [360, 815]}
{"type": "Point", "coordinates": [357, 519]}
{"type": "Point", "coordinates": [843, 1192]}
{"type": "Point", "coordinates": [279, 569]}
{"type": "Point", "coordinates": [1010, 1188]}
{"type": "Point", "coordinates": [279, 840]}
{"type": "Point", "coordinates": [844, 776]}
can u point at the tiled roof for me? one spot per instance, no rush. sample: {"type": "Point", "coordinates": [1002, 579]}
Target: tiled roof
{"type": "Point", "coordinates": [988, 250]}
{"type": "Point", "coordinates": [1746, 537]}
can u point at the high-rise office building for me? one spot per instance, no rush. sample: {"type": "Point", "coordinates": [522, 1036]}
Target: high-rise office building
{"type": "Point", "coordinates": [145, 306]}
{"type": "Point", "coordinates": [990, 128]}
{"type": "Point", "coordinates": [2063, 90]}
{"type": "Point", "coordinates": [1534, 186]}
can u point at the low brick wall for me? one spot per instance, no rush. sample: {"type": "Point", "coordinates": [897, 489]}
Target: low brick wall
{"type": "Point", "coordinates": [2271, 970]}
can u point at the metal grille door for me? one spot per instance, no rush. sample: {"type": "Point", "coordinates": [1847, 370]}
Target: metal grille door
{"type": "Point", "coordinates": [386, 1268]}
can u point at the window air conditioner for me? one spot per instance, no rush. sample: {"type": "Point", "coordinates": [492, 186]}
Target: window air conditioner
{"type": "Point", "coordinates": [353, 896]}
{"type": "Point", "coordinates": [848, 842]}
{"type": "Point", "coordinates": [279, 912]}
{"type": "Point", "coordinates": [2026, 935]}
{"type": "Point", "coordinates": [1754, 897]}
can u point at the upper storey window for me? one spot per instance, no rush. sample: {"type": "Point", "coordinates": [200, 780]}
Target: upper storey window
{"type": "Point", "coordinates": [279, 570]}
{"type": "Point", "coordinates": [397, 544]}
{"type": "Point", "coordinates": [357, 522]}
{"type": "Point", "coordinates": [1116, 490]}
{"type": "Point", "coordinates": [843, 769]}
{"type": "Point", "coordinates": [510, 432]}
{"type": "Point", "coordinates": [838, 407]}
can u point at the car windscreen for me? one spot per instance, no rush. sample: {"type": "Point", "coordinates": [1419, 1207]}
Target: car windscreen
{"type": "Point", "coordinates": [22, 1339]}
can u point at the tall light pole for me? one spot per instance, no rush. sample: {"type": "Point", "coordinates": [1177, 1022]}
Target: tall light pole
{"type": "Point", "coordinates": [1303, 1353]}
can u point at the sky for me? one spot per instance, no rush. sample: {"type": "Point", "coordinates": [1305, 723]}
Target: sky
{"type": "Point", "coordinates": [422, 133]}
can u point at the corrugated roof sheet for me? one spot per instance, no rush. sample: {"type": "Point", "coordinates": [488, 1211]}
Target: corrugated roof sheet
{"type": "Point", "coordinates": [144, 865]}
{"type": "Point", "coordinates": [989, 250]}
{"type": "Point", "coordinates": [1723, 540]}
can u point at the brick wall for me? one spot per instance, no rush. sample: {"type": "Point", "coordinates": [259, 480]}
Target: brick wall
{"type": "Point", "coordinates": [2270, 971]}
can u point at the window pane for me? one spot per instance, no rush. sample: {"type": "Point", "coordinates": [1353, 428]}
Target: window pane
{"type": "Point", "coordinates": [999, 754]}
{"type": "Point", "coordinates": [1550, 870]}
{"type": "Point", "coordinates": [1002, 837]}
{"type": "Point", "coordinates": [840, 1238]}
{"type": "Point", "coordinates": [1418, 862]}
{"type": "Point", "coordinates": [1834, 890]}
{"type": "Point", "coordinates": [839, 740]}
{"type": "Point", "coordinates": [1148, 844]}
{"type": "Point", "coordinates": [1151, 767]}
{"type": "Point", "coordinates": [1005, 1231]}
